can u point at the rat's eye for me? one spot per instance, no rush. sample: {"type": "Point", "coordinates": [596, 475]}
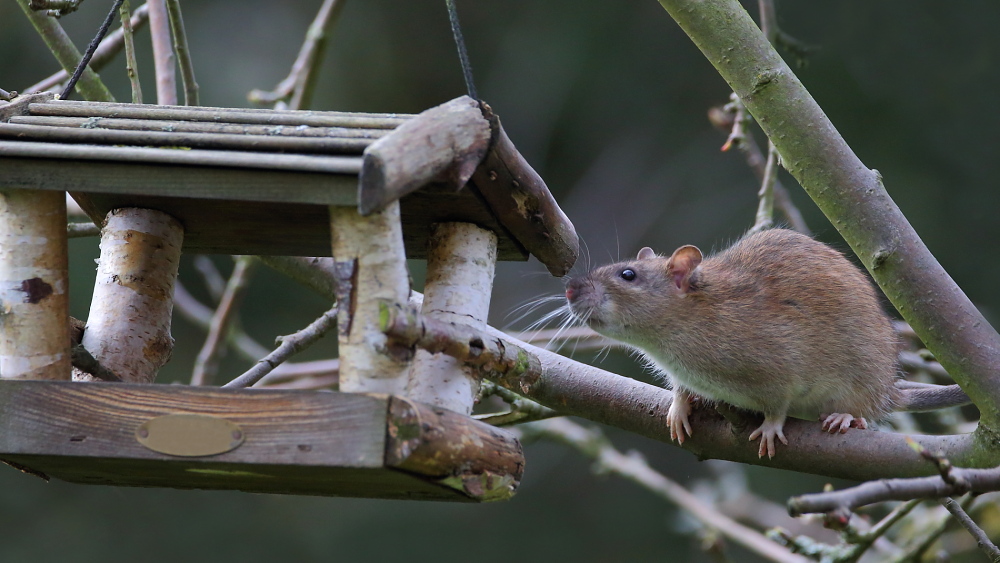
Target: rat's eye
{"type": "Point", "coordinates": [628, 274]}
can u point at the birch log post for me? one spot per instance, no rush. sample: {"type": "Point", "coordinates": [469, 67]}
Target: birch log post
{"type": "Point", "coordinates": [370, 265]}
{"type": "Point", "coordinates": [461, 260]}
{"type": "Point", "coordinates": [128, 330]}
{"type": "Point", "coordinates": [34, 285]}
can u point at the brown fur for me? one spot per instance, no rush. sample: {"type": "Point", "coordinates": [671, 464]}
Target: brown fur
{"type": "Point", "coordinates": [778, 323]}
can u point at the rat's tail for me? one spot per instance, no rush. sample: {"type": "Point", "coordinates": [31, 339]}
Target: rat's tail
{"type": "Point", "coordinates": [916, 397]}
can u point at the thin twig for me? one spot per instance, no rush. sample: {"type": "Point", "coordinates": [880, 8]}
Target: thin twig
{"type": "Point", "coordinates": [183, 53]}
{"type": "Point", "coordinates": [765, 209]}
{"type": "Point", "coordinates": [768, 20]}
{"type": "Point", "coordinates": [207, 363]}
{"type": "Point", "coordinates": [297, 87]}
{"type": "Point", "coordinates": [960, 481]}
{"type": "Point", "coordinates": [130, 65]}
{"type": "Point", "coordinates": [916, 551]}
{"type": "Point", "coordinates": [722, 119]}
{"type": "Point", "coordinates": [83, 360]}
{"type": "Point", "coordinates": [215, 283]}
{"type": "Point", "coordinates": [522, 409]}
{"type": "Point", "coordinates": [111, 46]}
{"type": "Point", "coordinates": [865, 540]}
{"type": "Point", "coordinates": [101, 32]}
{"type": "Point", "coordinates": [90, 86]}
{"type": "Point", "coordinates": [312, 374]}
{"type": "Point", "coordinates": [741, 119]}
{"type": "Point", "coordinates": [288, 346]}
{"type": "Point", "coordinates": [201, 315]}
{"type": "Point", "coordinates": [593, 444]}
{"type": "Point", "coordinates": [7, 96]}
{"type": "Point", "coordinates": [982, 540]}
{"type": "Point", "coordinates": [83, 229]}
{"type": "Point", "coordinates": [585, 337]}
{"type": "Point", "coordinates": [163, 53]}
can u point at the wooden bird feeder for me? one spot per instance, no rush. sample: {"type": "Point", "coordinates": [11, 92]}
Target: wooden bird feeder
{"type": "Point", "coordinates": [371, 190]}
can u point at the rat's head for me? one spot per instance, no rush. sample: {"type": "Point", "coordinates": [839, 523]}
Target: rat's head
{"type": "Point", "coordinates": [624, 299]}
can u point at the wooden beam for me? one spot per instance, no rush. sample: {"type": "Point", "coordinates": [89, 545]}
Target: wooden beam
{"type": "Point", "coordinates": [443, 144]}
{"type": "Point", "coordinates": [523, 204]}
{"type": "Point", "coordinates": [293, 442]}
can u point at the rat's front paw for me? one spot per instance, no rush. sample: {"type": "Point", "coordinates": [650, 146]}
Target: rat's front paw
{"type": "Point", "coordinates": [772, 428]}
{"type": "Point", "coordinates": [677, 416]}
{"type": "Point", "coordinates": [840, 422]}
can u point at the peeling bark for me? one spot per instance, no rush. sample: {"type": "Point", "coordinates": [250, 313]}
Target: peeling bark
{"type": "Point", "coordinates": [461, 260]}
{"type": "Point", "coordinates": [129, 326]}
{"type": "Point", "coordinates": [371, 266]}
{"type": "Point", "coordinates": [34, 285]}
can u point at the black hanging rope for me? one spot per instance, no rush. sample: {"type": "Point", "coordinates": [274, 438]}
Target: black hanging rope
{"type": "Point", "coordinates": [90, 49]}
{"type": "Point", "coordinates": [463, 55]}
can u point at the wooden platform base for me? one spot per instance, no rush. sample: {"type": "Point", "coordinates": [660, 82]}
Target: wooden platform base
{"type": "Point", "coordinates": [288, 442]}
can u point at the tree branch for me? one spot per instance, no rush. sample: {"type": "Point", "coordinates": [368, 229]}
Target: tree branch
{"type": "Point", "coordinates": [298, 86]}
{"type": "Point", "coordinates": [521, 410]}
{"type": "Point", "coordinates": [723, 120]}
{"type": "Point", "coordinates": [288, 346]}
{"type": "Point", "coordinates": [89, 53]}
{"type": "Point", "coordinates": [183, 53]}
{"type": "Point", "coordinates": [130, 65]}
{"type": "Point", "coordinates": [90, 85]}
{"type": "Point", "coordinates": [982, 540]}
{"type": "Point", "coordinates": [853, 198]}
{"type": "Point", "coordinates": [207, 362]}
{"type": "Point", "coordinates": [163, 53]}
{"type": "Point", "coordinates": [967, 480]}
{"type": "Point", "coordinates": [106, 51]}
{"type": "Point", "coordinates": [593, 444]}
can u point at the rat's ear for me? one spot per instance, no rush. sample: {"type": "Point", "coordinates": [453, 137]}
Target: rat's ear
{"type": "Point", "coordinates": [646, 253]}
{"type": "Point", "coordinates": [680, 265]}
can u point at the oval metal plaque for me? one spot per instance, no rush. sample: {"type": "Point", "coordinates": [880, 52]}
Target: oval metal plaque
{"type": "Point", "coordinates": [189, 435]}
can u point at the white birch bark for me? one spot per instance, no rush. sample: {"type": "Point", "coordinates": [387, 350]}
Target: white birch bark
{"type": "Point", "coordinates": [34, 285]}
{"type": "Point", "coordinates": [128, 329]}
{"type": "Point", "coordinates": [373, 247]}
{"type": "Point", "coordinates": [461, 261]}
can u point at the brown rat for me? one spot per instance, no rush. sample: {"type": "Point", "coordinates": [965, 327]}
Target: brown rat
{"type": "Point", "coordinates": [778, 323]}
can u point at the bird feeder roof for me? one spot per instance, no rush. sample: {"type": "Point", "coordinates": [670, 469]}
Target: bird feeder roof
{"type": "Point", "coordinates": [255, 181]}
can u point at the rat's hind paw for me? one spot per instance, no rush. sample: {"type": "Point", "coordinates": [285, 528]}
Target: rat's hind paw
{"type": "Point", "coordinates": [840, 422]}
{"type": "Point", "coordinates": [772, 428]}
{"type": "Point", "coordinates": [677, 416]}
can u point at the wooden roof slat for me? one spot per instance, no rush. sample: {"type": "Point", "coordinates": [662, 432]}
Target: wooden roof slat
{"type": "Point", "coordinates": [199, 127]}
{"type": "Point", "coordinates": [212, 109]}
{"type": "Point", "coordinates": [191, 157]}
{"type": "Point", "coordinates": [221, 115]}
{"type": "Point", "coordinates": [216, 141]}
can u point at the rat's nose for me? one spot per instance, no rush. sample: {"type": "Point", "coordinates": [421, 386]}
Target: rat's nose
{"type": "Point", "coordinates": [570, 292]}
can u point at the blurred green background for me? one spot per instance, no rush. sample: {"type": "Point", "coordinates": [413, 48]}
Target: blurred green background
{"type": "Point", "coordinates": [607, 100]}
